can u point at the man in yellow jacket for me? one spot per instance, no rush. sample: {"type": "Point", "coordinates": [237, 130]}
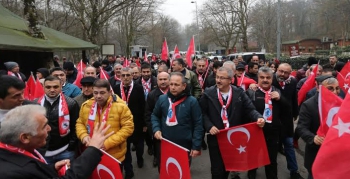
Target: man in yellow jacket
{"type": "Point", "coordinates": [110, 108]}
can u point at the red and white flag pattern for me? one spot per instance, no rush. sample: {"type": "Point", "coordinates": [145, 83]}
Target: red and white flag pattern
{"type": "Point", "coordinates": [308, 85]}
{"type": "Point", "coordinates": [165, 51]}
{"type": "Point", "coordinates": [344, 78]}
{"type": "Point", "coordinates": [174, 162]}
{"type": "Point", "coordinates": [108, 168]}
{"type": "Point", "coordinates": [190, 52]}
{"type": "Point", "coordinates": [328, 107]}
{"type": "Point", "coordinates": [243, 147]}
{"type": "Point", "coordinates": [333, 159]}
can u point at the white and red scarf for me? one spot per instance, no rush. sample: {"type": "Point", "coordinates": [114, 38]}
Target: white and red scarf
{"type": "Point", "coordinates": [171, 119]}
{"type": "Point", "coordinates": [116, 78]}
{"type": "Point", "coordinates": [164, 92]}
{"type": "Point", "coordinates": [268, 105]}
{"type": "Point", "coordinates": [224, 114]}
{"type": "Point", "coordinates": [122, 92]}
{"type": "Point", "coordinates": [10, 73]}
{"type": "Point", "coordinates": [92, 116]}
{"type": "Point", "coordinates": [63, 114]}
{"type": "Point", "coordinates": [23, 152]}
{"type": "Point", "coordinates": [146, 86]}
{"type": "Point", "coordinates": [201, 80]}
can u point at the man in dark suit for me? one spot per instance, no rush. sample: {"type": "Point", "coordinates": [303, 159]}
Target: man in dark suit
{"type": "Point", "coordinates": [309, 122]}
{"type": "Point", "coordinates": [132, 94]}
{"type": "Point", "coordinates": [148, 83]}
{"type": "Point", "coordinates": [287, 85]}
{"type": "Point", "coordinates": [336, 65]}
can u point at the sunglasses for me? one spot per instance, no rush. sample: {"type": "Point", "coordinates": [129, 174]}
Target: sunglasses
{"type": "Point", "coordinates": [126, 75]}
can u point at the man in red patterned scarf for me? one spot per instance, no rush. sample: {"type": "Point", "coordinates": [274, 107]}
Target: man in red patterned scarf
{"type": "Point", "coordinates": [62, 113]}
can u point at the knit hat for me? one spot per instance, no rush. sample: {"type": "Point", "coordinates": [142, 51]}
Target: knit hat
{"type": "Point", "coordinates": [10, 65]}
{"type": "Point", "coordinates": [68, 66]}
{"type": "Point", "coordinates": [96, 64]}
{"type": "Point", "coordinates": [44, 72]}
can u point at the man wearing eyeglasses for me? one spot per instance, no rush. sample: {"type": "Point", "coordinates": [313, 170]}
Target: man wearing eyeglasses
{"type": "Point", "coordinates": [309, 121]}
{"type": "Point", "coordinates": [218, 100]}
{"type": "Point", "coordinates": [283, 81]}
{"type": "Point", "coordinates": [133, 95]}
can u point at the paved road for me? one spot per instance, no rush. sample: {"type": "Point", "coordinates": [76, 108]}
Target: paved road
{"type": "Point", "coordinates": [200, 168]}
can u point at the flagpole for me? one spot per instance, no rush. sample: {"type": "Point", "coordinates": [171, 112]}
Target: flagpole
{"type": "Point", "coordinates": [175, 144]}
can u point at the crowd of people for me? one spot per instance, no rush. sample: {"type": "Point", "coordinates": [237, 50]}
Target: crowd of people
{"type": "Point", "coordinates": [144, 102]}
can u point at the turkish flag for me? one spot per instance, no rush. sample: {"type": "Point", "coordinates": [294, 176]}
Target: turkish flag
{"type": "Point", "coordinates": [39, 90]}
{"type": "Point", "coordinates": [176, 53]}
{"type": "Point", "coordinates": [81, 66]}
{"type": "Point", "coordinates": [174, 162]}
{"type": "Point", "coordinates": [243, 147]}
{"type": "Point", "coordinates": [165, 51]}
{"type": "Point", "coordinates": [190, 52]}
{"type": "Point", "coordinates": [328, 107]}
{"type": "Point", "coordinates": [333, 159]}
{"type": "Point", "coordinates": [103, 74]}
{"type": "Point", "coordinates": [308, 85]}
{"type": "Point", "coordinates": [126, 62]}
{"type": "Point", "coordinates": [108, 168]}
{"type": "Point", "coordinates": [344, 77]}
{"type": "Point", "coordinates": [145, 59]}
{"type": "Point", "coordinates": [293, 73]}
{"type": "Point", "coordinates": [30, 88]}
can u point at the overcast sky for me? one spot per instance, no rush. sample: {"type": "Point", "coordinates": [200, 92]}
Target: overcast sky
{"type": "Point", "coordinates": [182, 10]}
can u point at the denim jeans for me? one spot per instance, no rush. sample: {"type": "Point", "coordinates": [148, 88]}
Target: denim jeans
{"type": "Point", "coordinates": [292, 164]}
{"type": "Point", "coordinates": [61, 156]}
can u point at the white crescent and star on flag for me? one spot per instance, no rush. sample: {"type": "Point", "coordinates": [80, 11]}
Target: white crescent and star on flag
{"type": "Point", "coordinates": [176, 163]}
{"type": "Point", "coordinates": [342, 127]}
{"type": "Point", "coordinates": [241, 148]}
{"type": "Point", "coordinates": [102, 167]}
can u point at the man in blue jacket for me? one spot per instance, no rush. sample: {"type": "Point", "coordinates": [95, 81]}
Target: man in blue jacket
{"type": "Point", "coordinates": [177, 116]}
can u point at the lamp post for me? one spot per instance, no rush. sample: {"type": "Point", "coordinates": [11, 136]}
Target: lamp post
{"type": "Point", "coordinates": [199, 44]}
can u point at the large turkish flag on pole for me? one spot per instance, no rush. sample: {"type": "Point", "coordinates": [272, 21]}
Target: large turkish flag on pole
{"type": "Point", "coordinates": [80, 67]}
{"type": "Point", "coordinates": [243, 147]}
{"type": "Point", "coordinates": [328, 107]}
{"type": "Point", "coordinates": [174, 162]}
{"type": "Point", "coordinates": [333, 159]}
{"type": "Point", "coordinates": [190, 52]}
{"type": "Point", "coordinates": [344, 78]}
{"type": "Point", "coordinates": [30, 88]}
{"type": "Point", "coordinates": [308, 85]}
{"type": "Point", "coordinates": [108, 168]}
{"type": "Point", "coordinates": [39, 90]}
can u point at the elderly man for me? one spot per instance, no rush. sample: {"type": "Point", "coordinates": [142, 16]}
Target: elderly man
{"type": "Point", "coordinates": [11, 94]}
{"type": "Point", "coordinates": [68, 89]}
{"type": "Point", "coordinates": [105, 107]}
{"type": "Point", "coordinates": [163, 79]}
{"type": "Point", "coordinates": [116, 79]}
{"type": "Point", "coordinates": [269, 102]}
{"type": "Point", "coordinates": [90, 71]}
{"type": "Point", "coordinates": [87, 88]}
{"type": "Point", "coordinates": [191, 78]}
{"type": "Point", "coordinates": [225, 98]}
{"type": "Point", "coordinates": [136, 73]}
{"type": "Point", "coordinates": [184, 128]}
{"type": "Point", "coordinates": [62, 112]}
{"type": "Point", "coordinates": [309, 121]}
{"type": "Point", "coordinates": [13, 70]}
{"type": "Point", "coordinates": [25, 129]}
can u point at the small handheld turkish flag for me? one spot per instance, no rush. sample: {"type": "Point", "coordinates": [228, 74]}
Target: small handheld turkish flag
{"type": "Point", "coordinates": [328, 107]}
{"type": "Point", "coordinates": [174, 163]}
{"type": "Point", "coordinates": [333, 159]}
{"type": "Point", "coordinates": [344, 78]}
{"type": "Point", "coordinates": [108, 168]}
{"type": "Point", "coordinates": [308, 85]}
{"type": "Point", "coordinates": [243, 147]}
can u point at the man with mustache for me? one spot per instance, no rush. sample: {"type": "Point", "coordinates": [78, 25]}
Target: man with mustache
{"type": "Point", "coordinates": [202, 72]}
{"type": "Point", "coordinates": [163, 79]}
{"type": "Point", "coordinates": [268, 101]}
